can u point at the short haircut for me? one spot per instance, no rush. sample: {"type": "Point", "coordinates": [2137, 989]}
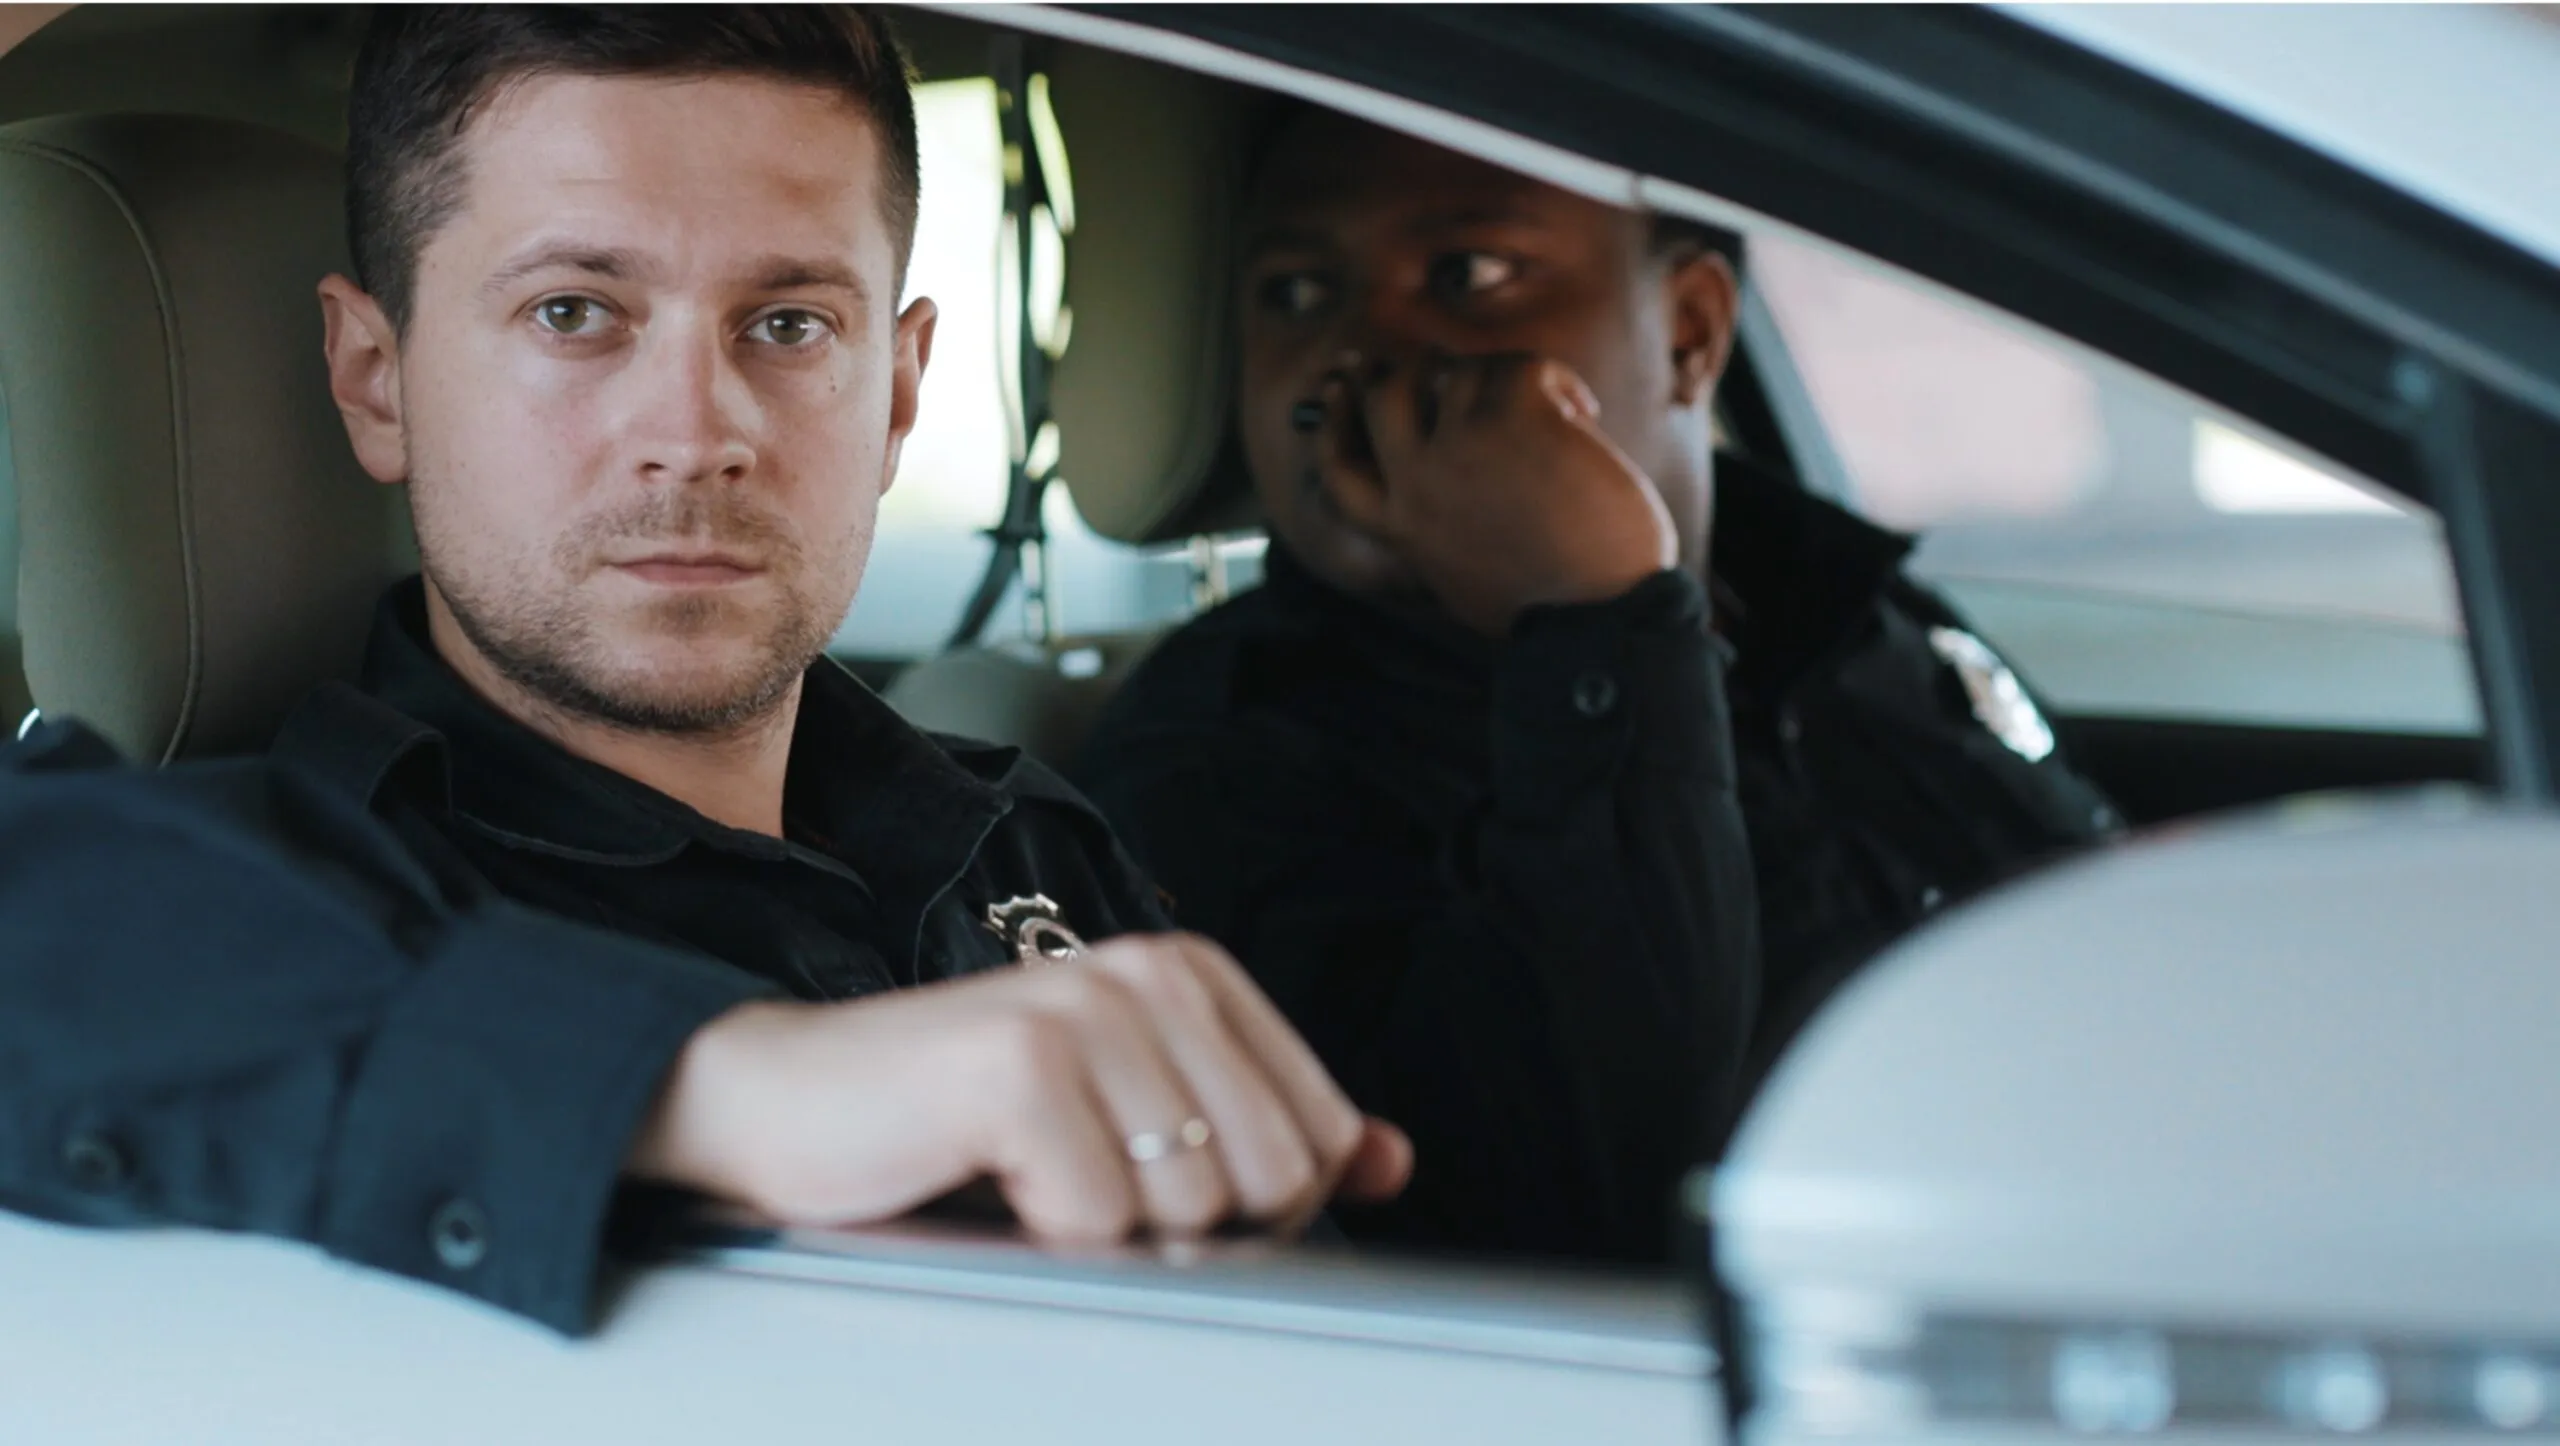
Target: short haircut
{"type": "Point", "coordinates": [425, 70]}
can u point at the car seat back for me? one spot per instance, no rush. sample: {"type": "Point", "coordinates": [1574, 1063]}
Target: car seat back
{"type": "Point", "coordinates": [198, 546]}
{"type": "Point", "coordinates": [1140, 396]}
{"type": "Point", "coordinates": [1041, 697]}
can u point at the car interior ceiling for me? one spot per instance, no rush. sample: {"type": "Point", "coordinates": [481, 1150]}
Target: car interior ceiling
{"type": "Point", "coordinates": [1141, 415]}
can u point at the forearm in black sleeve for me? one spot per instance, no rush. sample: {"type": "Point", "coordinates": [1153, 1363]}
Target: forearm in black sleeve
{"type": "Point", "coordinates": [228, 1000]}
{"type": "Point", "coordinates": [1570, 1025]}
{"type": "Point", "coordinates": [1556, 1013]}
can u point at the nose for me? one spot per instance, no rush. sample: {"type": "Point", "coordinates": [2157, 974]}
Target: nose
{"type": "Point", "coordinates": [1383, 328]}
{"type": "Point", "coordinates": [690, 413]}
{"type": "Point", "coordinates": [1367, 332]}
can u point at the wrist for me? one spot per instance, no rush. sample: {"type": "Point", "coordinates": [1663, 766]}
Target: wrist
{"type": "Point", "coordinates": [1497, 612]}
{"type": "Point", "coordinates": [698, 1132]}
{"type": "Point", "coordinates": [1666, 598]}
{"type": "Point", "coordinates": [1602, 585]}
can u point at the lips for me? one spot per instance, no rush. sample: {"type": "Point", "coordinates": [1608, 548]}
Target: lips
{"type": "Point", "coordinates": [691, 569]}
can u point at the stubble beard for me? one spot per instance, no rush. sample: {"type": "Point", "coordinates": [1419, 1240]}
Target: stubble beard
{"type": "Point", "coordinates": [538, 636]}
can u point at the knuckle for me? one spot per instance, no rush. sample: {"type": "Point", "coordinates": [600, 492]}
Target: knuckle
{"type": "Point", "coordinates": [1115, 1219]}
{"type": "Point", "coordinates": [1547, 382]}
{"type": "Point", "coordinates": [1274, 1175]}
{"type": "Point", "coordinates": [1093, 995]}
{"type": "Point", "coordinates": [1084, 1219]}
{"type": "Point", "coordinates": [1195, 1208]}
{"type": "Point", "coordinates": [1149, 967]}
{"type": "Point", "coordinates": [1204, 956]}
{"type": "Point", "coordinates": [1281, 1185]}
{"type": "Point", "coordinates": [1164, 976]}
{"type": "Point", "coordinates": [1337, 1135]}
{"type": "Point", "coordinates": [1037, 1050]}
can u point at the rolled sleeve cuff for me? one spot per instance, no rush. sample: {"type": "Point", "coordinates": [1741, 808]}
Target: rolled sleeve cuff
{"type": "Point", "coordinates": [484, 1132]}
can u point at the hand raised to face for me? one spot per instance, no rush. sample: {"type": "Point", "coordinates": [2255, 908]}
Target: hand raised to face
{"type": "Point", "coordinates": [1491, 478]}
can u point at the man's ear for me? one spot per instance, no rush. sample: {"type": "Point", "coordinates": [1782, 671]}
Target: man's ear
{"type": "Point", "coordinates": [364, 377]}
{"type": "Point", "coordinates": [910, 352]}
{"type": "Point", "coordinates": [1706, 302]}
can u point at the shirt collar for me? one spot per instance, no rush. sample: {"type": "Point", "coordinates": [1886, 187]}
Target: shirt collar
{"type": "Point", "coordinates": [902, 811]}
{"type": "Point", "coordinates": [1796, 574]}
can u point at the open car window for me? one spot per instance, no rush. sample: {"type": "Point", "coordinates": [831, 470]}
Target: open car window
{"type": "Point", "coordinates": [931, 548]}
{"type": "Point", "coordinates": [951, 476]}
{"type": "Point", "coordinates": [2137, 554]}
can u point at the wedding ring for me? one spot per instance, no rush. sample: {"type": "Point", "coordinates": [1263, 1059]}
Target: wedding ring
{"type": "Point", "coordinates": [1152, 1145]}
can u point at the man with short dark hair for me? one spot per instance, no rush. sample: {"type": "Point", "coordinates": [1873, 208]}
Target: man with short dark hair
{"type": "Point", "coordinates": [628, 334]}
{"type": "Point", "coordinates": [1543, 852]}
{"type": "Point", "coordinates": [626, 329]}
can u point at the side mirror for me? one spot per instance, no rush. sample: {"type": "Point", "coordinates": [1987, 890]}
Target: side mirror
{"type": "Point", "coordinates": [2249, 1128]}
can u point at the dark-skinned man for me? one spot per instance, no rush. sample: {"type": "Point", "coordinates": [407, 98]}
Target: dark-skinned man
{"type": "Point", "coordinates": [1544, 853]}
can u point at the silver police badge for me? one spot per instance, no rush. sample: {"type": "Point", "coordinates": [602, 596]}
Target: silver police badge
{"type": "Point", "coordinates": [1999, 700]}
{"type": "Point", "coordinates": [1032, 926]}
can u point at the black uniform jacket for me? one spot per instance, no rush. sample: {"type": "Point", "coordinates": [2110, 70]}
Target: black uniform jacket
{"type": "Point", "coordinates": [1549, 903]}
{"type": "Point", "coordinates": [294, 996]}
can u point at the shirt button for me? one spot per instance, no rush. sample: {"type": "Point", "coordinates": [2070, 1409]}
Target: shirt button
{"type": "Point", "coordinates": [1595, 694]}
{"type": "Point", "coordinates": [1790, 727]}
{"type": "Point", "coordinates": [459, 1230]}
{"type": "Point", "coordinates": [1931, 898]}
{"type": "Point", "coordinates": [94, 1163]}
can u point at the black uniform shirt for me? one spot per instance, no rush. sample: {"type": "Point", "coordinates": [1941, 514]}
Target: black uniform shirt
{"type": "Point", "coordinates": [1481, 880]}
{"type": "Point", "coordinates": [1874, 792]}
{"type": "Point", "coordinates": [304, 995]}
{"type": "Point", "coordinates": [1548, 902]}
{"type": "Point", "coordinates": [897, 842]}
{"type": "Point", "coordinates": [233, 998]}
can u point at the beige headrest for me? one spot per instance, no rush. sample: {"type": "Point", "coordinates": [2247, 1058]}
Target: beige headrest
{"type": "Point", "coordinates": [198, 546]}
{"type": "Point", "coordinates": [1141, 397]}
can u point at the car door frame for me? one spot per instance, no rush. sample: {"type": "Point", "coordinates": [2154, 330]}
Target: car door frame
{"type": "Point", "coordinates": [2015, 168]}
{"type": "Point", "coordinates": [2409, 363]}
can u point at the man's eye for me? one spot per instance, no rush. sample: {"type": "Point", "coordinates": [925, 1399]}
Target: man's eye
{"type": "Point", "coordinates": [1294, 294]}
{"type": "Point", "coordinates": [1462, 274]}
{"type": "Point", "coordinates": [569, 315]}
{"type": "Point", "coordinates": [788, 328]}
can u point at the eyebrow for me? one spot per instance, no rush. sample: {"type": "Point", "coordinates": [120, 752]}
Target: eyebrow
{"type": "Point", "coordinates": [606, 261]}
{"type": "Point", "coordinates": [1282, 237]}
{"type": "Point", "coordinates": [768, 273]}
{"type": "Point", "coordinates": [791, 273]}
{"type": "Point", "coordinates": [1459, 218]}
